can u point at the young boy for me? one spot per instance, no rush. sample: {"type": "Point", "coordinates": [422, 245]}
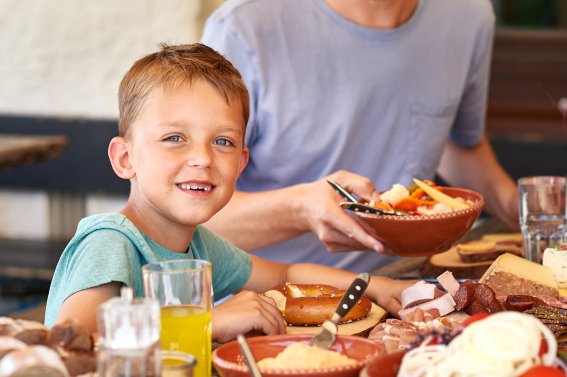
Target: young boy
{"type": "Point", "coordinates": [183, 112]}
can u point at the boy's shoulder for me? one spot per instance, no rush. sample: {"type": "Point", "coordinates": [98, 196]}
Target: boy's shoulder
{"type": "Point", "coordinates": [105, 220]}
{"type": "Point", "coordinates": [104, 226]}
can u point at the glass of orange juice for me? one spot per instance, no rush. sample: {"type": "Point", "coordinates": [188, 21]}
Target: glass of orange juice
{"type": "Point", "coordinates": [184, 290]}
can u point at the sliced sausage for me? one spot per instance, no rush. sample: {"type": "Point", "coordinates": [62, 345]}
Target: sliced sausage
{"type": "Point", "coordinates": [487, 298]}
{"type": "Point", "coordinates": [464, 296]}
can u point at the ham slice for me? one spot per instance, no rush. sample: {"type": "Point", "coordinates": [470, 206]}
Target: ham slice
{"type": "Point", "coordinates": [444, 304]}
{"type": "Point", "coordinates": [448, 282]}
{"type": "Point", "coordinates": [417, 293]}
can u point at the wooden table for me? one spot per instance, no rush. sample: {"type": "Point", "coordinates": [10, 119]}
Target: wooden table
{"type": "Point", "coordinates": [18, 150]}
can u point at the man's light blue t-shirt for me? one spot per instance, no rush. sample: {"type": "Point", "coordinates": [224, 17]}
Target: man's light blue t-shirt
{"type": "Point", "coordinates": [110, 248]}
{"type": "Point", "coordinates": [328, 94]}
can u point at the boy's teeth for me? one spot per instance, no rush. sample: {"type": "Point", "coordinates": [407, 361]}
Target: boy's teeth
{"type": "Point", "coordinates": [185, 186]}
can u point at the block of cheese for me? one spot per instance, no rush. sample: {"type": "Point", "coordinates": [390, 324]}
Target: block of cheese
{"type": "Point", "coordinates": [513, 275]}
{"type": "Point", "coordinates": [556, 261]}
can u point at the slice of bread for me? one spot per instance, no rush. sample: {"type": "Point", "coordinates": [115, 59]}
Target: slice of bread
{"type": "Point", "coordinates": [450, 260]}
{"type": "Point", "coordinates": [490, 247]}
{"type": "Point", "coordinates": [508, 238]}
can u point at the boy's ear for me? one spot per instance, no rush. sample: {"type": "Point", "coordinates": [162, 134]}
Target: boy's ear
{"type": "Point", "coordinates": [243, 159]}
{"type": "Point", "coordinates": [119, 155]}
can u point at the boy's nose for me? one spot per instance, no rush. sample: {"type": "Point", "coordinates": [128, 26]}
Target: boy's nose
{"type": "Point", "coordinates": [200, 156]}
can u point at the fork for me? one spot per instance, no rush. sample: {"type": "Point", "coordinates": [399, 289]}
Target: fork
{"type": "Point", "coordinates": [354, 205]}
{"type": "Point", "coordinates": [326, 336]}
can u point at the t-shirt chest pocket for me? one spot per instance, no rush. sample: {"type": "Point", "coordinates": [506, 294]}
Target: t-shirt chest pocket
{"type": "Point", "coordinates": [430, 124]}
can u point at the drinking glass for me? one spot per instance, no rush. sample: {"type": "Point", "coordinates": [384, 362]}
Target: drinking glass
{"type": "Point", "coordinates": [542, 213]}
{"type": "Point", "coordinates": [185, 293]}
{"type": "Point", "coordinates": [177, 364]}
{"type": "Point", "coordinates": [128, 333]}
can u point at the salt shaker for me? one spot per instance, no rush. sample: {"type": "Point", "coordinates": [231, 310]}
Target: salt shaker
{"type": "Point", "coordinates": [129, 331]}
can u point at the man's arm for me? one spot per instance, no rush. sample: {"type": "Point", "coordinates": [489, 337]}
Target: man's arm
{"type": "Point", "coordinates": [255, 220]}
{"type": "Point", "coordinates": [477, 168]}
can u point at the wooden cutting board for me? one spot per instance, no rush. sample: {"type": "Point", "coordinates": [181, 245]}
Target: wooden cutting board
{"type": "Point", "coordinates": [450, 261]}
{"type": "Point", "coordinates": [361, 327]}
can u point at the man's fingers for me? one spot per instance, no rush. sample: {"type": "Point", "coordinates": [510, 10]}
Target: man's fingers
{"type": "Point", "coordinates": [354, 232]}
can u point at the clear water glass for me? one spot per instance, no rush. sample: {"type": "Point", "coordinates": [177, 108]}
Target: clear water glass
{"type": "Point", "coordinates": [543, 213]}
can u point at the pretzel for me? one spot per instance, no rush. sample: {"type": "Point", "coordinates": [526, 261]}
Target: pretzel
{"type": "Point", "coordinates": [313, 304]}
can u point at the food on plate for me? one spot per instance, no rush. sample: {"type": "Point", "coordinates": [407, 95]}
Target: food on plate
{"type": "Point", "coordinates": [485, 250]}
{"type": "Point", "coordinates": [501, 344]}
{"type": "Point", "coordinates": [470, 260]}
{"type": "Point", "coordinates": [27, 346]}
{"type": "Point", "coordinates": [441, 305]}
{"type": "Point", "coordinates": [428, 298]}
{"type": "Point", "coordinates": [515, 239]}
{"type": "Point", "coordinates": [425, 199]}
{"type": "Point", "coordinates": [454, 204]}
{"type": "Point", "coordinates": [425, 310]}
{"type": "Point", "coordinates": [29, 332]}
{"type": "Point", "coordinates": [304, 356]}
{"type": "Point", "coordinates": [450, 260]}
{"type": "Point", "coordinates": [397, 335]}
{"type": "Point", "coordinates": [474, 298]}
{"type": "Point", "coordinates": [556, 260]}
{"type": "Point", "coordinates": [510, 274]}
{"type": "Point", "coordinates": [9, 344]}
{"type": "Point", "coordinates": [33, 361]}
{"type": "Point", "coordinates": [554, 318]}
{"type": "Point", "coordinates": [312, 304]}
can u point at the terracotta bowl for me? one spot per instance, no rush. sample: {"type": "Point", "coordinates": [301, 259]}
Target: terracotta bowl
{"type": "Point", "coordinates": [384, 366]}
{"type": "Point", "coordinates": [423, 235]}
{"type": "Point", "coordinates": [229, 362]}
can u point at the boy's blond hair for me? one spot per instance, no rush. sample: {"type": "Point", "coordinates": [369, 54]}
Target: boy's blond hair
{"type": "Point", "coordinates": [171, 68]}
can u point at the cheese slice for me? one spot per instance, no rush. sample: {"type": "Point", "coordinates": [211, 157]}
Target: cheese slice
{"type": "Point", "coordinates": [556, 261]}
{"type": "Point", "coordinates": [510, 274]}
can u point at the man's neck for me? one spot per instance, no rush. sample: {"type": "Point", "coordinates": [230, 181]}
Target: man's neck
{"type": "Point", "coordinates": [377, 14]}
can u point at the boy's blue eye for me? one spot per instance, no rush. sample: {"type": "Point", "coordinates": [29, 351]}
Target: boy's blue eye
{"type": "Point", "coordinates": [223, 141]}
{"type": "Point", "coordinates": [174, 138]}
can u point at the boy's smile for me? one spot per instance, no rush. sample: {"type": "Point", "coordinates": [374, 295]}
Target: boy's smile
{"type": "Point", "coordinates": [196, 187]}
{"type": "Point", "coordinates": [185, 154]}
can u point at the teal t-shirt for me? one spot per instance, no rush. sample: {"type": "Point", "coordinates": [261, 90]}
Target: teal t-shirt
{"type": "Point", "coordinates": [110, 248]}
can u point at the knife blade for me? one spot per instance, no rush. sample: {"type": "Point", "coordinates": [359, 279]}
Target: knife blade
{"type": "Point", "coordinates": [326, 336]}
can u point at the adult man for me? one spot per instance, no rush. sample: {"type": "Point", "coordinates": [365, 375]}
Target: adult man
{"type": "Point", "coordinates": [367, 92]}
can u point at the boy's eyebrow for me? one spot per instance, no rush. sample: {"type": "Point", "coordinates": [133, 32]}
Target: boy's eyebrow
{"type": "Point", "coordinates": [227, 128]}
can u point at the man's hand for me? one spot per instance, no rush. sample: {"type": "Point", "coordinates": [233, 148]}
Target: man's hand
{"type": "Point", "coordinates": [335, 228]}
{"type": "Point", "coordinates": [244, 313]}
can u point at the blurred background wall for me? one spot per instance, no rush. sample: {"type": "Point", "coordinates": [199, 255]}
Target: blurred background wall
{"type": "Point", "coordinates": [62, 60]}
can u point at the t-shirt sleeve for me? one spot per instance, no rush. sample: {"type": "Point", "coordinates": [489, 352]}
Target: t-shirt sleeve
{"type": "Point", "coordinates": [101, 257]}
{"type": "Point", "coordinates": [231, 266]}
